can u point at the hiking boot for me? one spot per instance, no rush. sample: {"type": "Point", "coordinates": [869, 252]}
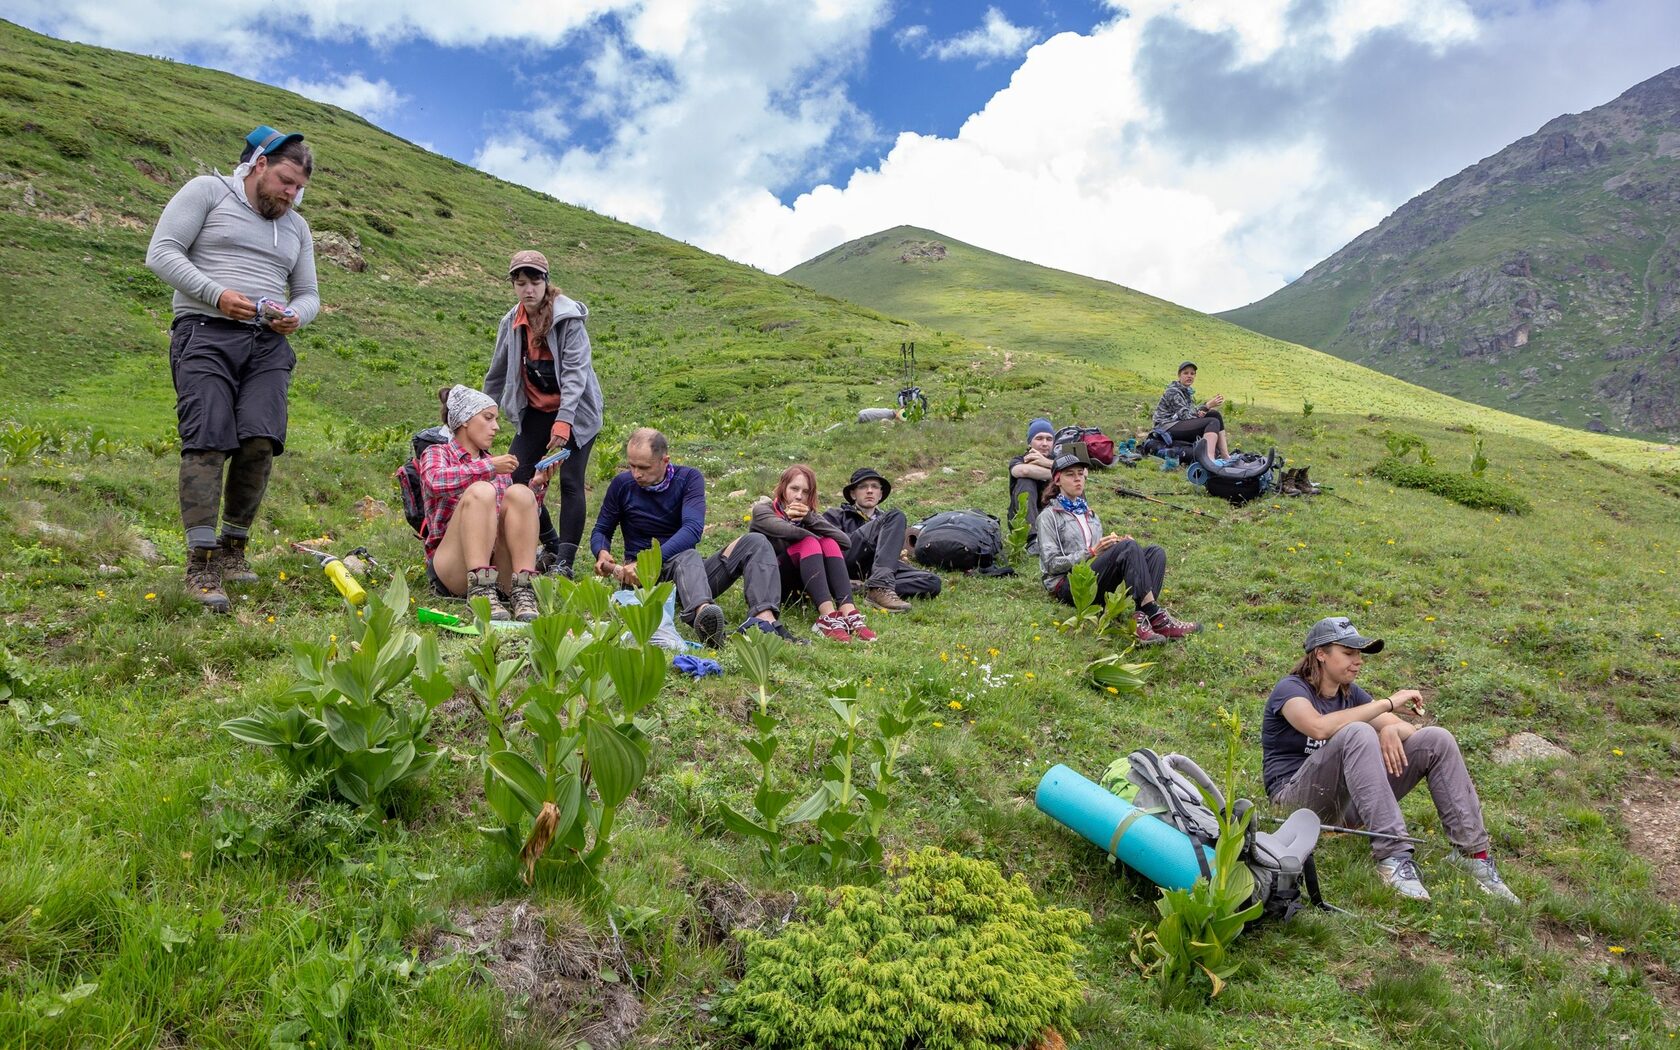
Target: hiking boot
{"type": "Point", "coordinates": [832, 627]}
{"type": "Point", "coordinates": [1288, 486]}
{"type": "Point", "coordinates": [204, 579]}
{"type": "Point", "coordinates": [525, 608]}
{"type": "Point", "coordinates": [775, 627]}
{"type": "Point", "coordinates": [1167, 625]}
{"type": "Point", "coordinates": [1486, 876]}
{"type": "Point", "coordinates": [885, 599]}
{"type": "Point", "coordinates": [710, 625]}
{"type": "Point", "coordinates": [481, 583]}
{"type": "Point", "coordinates": [859, 629]}
{"type": "Point", "coordinates": [231, 563]}
{"type": "Point", "coordinates": [1402, 874]}
{"type": "Point", "coordinates": [1146, 634]}
{"type": "Point", "coordinates": [1302, 485]}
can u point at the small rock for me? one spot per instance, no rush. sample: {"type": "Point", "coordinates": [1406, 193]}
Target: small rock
{"type": "Point", "coordinates": [1527, 747]}
{"type": "Point", "coordinates": [914, 475]}
{"type": "Point", "coordinates": [738, 493]}
{"type": "Point", "coordinates": [147, 551]}
{"type": "Point", "coordinates": [357, 566]}
{"type": "Point", "coordinates": [56, 532]}
{"type": "Point", "coordinates": [947, 470]}
{"type": "Point", "coordinates": [110, 570]}
{"type": "Point", "coordinates": [371, 508]}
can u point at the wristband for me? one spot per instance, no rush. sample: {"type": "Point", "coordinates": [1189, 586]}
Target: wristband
{"type": "Point", "coordinates": [1391, 705]}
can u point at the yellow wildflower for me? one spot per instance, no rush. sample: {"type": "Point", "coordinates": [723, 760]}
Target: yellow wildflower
{"type": "Point", "coordinates": [151, 596]}
{"type": "Point", "coordinates": [955, 705]}
{"type": "Point", "coordinates": [1616, 949]}
{"type": "Point", "coordinates": [282, 575]}
{"type": "Point", "coordinates": [1616, 751]}
{"type": "Point", "coordinates": [939, 725]}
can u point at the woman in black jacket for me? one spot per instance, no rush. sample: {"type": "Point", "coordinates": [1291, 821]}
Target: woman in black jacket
{"type": "Point", "coordinates": [811, 550]}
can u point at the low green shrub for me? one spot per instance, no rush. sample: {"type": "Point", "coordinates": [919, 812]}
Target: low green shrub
{"type": "Point", "coordinates": [1474, 492]}
{"type": "Point", "coordinates": [950, 955]}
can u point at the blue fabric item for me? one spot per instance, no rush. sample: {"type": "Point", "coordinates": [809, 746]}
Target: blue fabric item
{"type": "Point", "coordinates": [674, 515]}
{"type": "Point", "coordinates": [665, 482]}
{"type": "Point", "coordinates": [1073, 506]}
{"type": "Point", "coordinates": [1039, 426]}
{"type": "Point", "coordinates": [698, 666]}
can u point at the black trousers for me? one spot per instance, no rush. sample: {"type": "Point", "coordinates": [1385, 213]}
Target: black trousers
{"type": "Point", "coordinates": [873, 558]}
{"type": "Point", "coordinates": [1191, 429]}
{"type": "Point", "coordinates": [530, 445]}
{"type": "Point", "coordinates": [1140, 570]}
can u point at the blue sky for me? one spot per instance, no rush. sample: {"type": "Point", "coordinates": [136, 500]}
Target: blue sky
{"type": "Point", "coordinates": [1206, 151]}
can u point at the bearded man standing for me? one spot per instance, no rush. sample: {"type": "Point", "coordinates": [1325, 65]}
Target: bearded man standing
{"type": "Point", "coordinates": [242, 263]}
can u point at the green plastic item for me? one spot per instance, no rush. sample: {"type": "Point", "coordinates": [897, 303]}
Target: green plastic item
{"type": "Point", "coordinates": [459, 625]}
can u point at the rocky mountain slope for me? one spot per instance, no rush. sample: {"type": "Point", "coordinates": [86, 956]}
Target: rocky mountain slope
{"type": "Point", "coordinates": [1544, 280]}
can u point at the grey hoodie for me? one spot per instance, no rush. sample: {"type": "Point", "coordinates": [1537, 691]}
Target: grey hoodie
{"type": "Point", "coordinates": [568, 341]}
{"type": "Point", "coordinates": [210, 239]}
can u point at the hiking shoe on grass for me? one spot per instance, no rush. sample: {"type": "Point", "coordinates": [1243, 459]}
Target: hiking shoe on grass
{"type": "Point", "coordinates": [885, 599]}
{"type": "Point", "coordinates": [775, 627]}
{"type": "Point", "coordinates": [1167, 625]}
{"type": "Point", "coordinates": [204, 579]}
{"type": "Point", "coordinates": [231, 563]}
{"type": "Point", "coordinates": [1401, 873]}
{"type": "Point", "coordinates": [1486, 876]}
{"type": "Point", "coordinates": [525, 608]}
{"type": "Point", "coordinates": [832, 627]}
{"type": "Point", "coordinates": [1146, 634]}
{"type": "Point", "coordinates": [711, 626]}
{"type": "Point", "coordinates": [481, 583]}
{"type": "Point", "coordinates": [855, 624]}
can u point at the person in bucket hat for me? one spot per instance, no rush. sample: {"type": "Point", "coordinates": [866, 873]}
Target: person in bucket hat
{"type": "Point", "coordinates": [542, 375]}
{"type": "Point", "coordinates": [1329, 746]}
{"type": "Point", "coordinates": [242, 263]}
{"type": "Point", "coordinates": [875, 556]}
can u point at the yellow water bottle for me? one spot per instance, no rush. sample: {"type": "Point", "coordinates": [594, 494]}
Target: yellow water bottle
{"type": "Point", "coordinates": [346, 583]}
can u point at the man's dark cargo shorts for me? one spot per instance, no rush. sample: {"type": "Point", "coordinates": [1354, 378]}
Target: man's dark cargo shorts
{"type": "Point", "coordinates": [230, 382]}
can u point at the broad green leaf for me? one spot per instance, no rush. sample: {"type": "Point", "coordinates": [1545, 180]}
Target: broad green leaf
{"type": "Point", "coordinates": [522, 778]}
{"type": "Point", "coordinates": [256, 729]}
{"type": "Point", "coordinates": [345, 734]}
{"type": "Point", "coordinates": [814, 806]}
{"type": "Point", "coordinates": [637, 674]}
{"type": "Point", "coordinates": [617, 763]}
{"type": "Point", "coordinates": [742, 826]}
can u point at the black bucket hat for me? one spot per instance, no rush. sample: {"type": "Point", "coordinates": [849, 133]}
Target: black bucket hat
{"type": "Point", "coordinates": [861, 475]}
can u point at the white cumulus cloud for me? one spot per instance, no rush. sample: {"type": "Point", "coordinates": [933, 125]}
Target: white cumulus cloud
{"type": "Point", "coordinates": [369, 98]}
{"type": "Point", "coordinates": [995, 37]}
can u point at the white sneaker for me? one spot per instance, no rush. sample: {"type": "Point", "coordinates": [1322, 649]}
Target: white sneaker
{"type": "Point", "coordinates": [1402, 874]}
{"type": "Point", "coordinates": [1486, 876]}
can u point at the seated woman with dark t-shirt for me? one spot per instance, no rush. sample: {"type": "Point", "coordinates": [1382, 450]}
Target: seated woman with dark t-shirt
{"type": "Point", "coordinates": [1181, 416]}
{"type": "Point", "coordinates": [1029, 473]}
{"type": "Point", "coordinates": [1328, 746]}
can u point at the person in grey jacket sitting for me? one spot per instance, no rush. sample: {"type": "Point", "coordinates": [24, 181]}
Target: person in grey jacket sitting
{"type": "Point", "coordinates": [877, 537]}
{"type": "Point", "coordinates": [1069, 532]}
{"type": "Point", "coordinates": [543, 379]}
{"type": "Point", "coordinates": [1180, 415]}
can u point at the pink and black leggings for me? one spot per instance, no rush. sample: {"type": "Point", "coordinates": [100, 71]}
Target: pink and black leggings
{"type": "Point", "coordinates": [817, 566]}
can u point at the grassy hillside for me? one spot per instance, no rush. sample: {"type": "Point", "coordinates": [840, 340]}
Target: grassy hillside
{"type": "Point", "coordinates": [1544, 279]}
{"type": "Point", "coordinates": [137, 911]}
{"type": "Point", "coordinates": [1020, 307]}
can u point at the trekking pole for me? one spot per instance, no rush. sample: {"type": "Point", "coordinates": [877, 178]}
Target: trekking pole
{"type": "Point", "coordinates": [1124, 491]}
{"type": "Point", "coordinates": [1365, 834]}
{"type": "Point", "coordinates": [337, 573]}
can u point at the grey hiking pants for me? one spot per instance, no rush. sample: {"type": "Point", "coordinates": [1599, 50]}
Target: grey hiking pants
{"type": "Point", "coordinates": [1344, 782]}
{"type": "Point", "coordinates": [700, 580]}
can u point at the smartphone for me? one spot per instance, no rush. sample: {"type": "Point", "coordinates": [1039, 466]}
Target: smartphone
{"type": "Point", "coordinates": [557, 457]}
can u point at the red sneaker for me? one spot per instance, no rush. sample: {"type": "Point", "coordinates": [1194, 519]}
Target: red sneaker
{"type": "Point", "coordinates": [1146, 634]}
{"type": "Point", "coordinates": [832, 627]}
{"type": "Point", "coordinates": [859, 629]}
{"type": "Point", "coordinates": [1167, 625]}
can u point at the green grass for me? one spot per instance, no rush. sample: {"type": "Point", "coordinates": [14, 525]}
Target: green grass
{"type": "Point", "coordinates": [1559, 621]}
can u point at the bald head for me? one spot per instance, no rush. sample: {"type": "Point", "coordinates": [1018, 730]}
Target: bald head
{"type": "Point", "coordinates": [649, 439]}
{"type": "Point", "coordinates": [647, 454]}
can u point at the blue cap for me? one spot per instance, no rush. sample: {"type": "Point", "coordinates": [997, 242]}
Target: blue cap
{"type": "Point", "coordinates": [1037, 427]}
{"type": "Point", "coordinates": [265, 140]}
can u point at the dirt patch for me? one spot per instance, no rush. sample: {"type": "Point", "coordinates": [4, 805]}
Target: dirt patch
{"type": "Point", "coordinates": [1652, 812]}
{"type": "Point", "coordinates": [730, 906]}
{"type": "Point", "coordinates": [557, 975]}
{"type": "Point", "coordinates": [345, 251]}
{"type": "Point", "coordinates": [152, 171]}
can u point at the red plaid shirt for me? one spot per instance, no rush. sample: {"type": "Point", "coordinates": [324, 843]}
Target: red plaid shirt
{"type": "Point", "coordinates": [446, 472]}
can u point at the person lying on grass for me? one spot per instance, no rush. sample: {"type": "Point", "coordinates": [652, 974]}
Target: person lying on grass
{"type": "Point", "coordinates": [1180, 415]}
{"type": "Point", "coordinates": [811, 551]}
{"type": "Point", "coordinates": [878, 536]}
{"type": "Point", "coordinates": [1328, 746]}
{"type": "Point", "coordinates": [1029, 473]}
{"type": "Point", "coordinates": [1069, 532]}
{"type": "Point", "coordinates": [657, 500]}
{"type": "Point", "coordinates": [480, 527]}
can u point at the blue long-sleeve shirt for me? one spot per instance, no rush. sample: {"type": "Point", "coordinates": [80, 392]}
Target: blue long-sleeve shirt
{"type": "Point", "coordinates": [675, 517]}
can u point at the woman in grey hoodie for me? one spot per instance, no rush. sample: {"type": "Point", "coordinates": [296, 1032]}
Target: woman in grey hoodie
{"type": "Point", "coordinates": [543, 379]}
{"type": "Point", "coordinates": [1069, 532]}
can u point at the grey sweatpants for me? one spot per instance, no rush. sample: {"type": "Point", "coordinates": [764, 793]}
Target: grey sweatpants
{"type": "Point", "coordinates": [700, 580]}
{"type": "Point", "coordinates": [1344, 782]}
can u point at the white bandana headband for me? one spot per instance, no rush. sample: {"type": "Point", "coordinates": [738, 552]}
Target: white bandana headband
{"type": "Point", "coordinates": [464, 403]}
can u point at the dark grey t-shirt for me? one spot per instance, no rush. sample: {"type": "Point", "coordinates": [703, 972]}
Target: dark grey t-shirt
{"type": "Point", "coordinates": [1284, 749]}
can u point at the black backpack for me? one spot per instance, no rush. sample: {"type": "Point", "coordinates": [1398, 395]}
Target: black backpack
{"type": "Point", "coordinates": [959, 540]}
{"type": "Point", "coordinates": [408, 475]}
{"type": "Point", "coordinates": [1160, 443]}
{"type": "Point", "coordinates": [1245, 475]}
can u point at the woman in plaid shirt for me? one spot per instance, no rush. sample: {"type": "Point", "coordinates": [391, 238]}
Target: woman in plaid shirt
{"type": "Point", "coordinates": [480, 526]}
{"type": "Point", "coordinates": [1179, 415]}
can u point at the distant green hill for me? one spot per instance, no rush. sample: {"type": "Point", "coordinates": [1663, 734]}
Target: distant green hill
{"type": "Point", "coordinates": [1543, 280]}
{"type": "Point", "coordinates": [1020, 307]}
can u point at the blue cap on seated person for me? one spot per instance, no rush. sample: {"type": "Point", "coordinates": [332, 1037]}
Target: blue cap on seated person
{"type": "Point", "coordinates": [266, 140]}
{"type": "Point", "coordinates": [1037, 427]}
{"type": "Point", "coordinates": [1339, 630]}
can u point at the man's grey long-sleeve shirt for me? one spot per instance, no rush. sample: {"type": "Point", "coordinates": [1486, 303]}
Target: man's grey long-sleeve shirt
{"type": "Point", "coordinates": [210, 239]}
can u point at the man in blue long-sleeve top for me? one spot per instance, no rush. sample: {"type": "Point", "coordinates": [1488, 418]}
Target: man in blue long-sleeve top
{"type": "Point", "coordinates": [656, 500]}
{"type": "Point", "coordinates": [242, 263]}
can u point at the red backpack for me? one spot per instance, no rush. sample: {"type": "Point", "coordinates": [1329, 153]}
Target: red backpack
{"type": "Point", "coordinates": [1099, 447]}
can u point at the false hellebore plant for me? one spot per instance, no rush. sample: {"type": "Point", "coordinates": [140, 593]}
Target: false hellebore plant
{"type": "Point", "coordinates": [556, 776]}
